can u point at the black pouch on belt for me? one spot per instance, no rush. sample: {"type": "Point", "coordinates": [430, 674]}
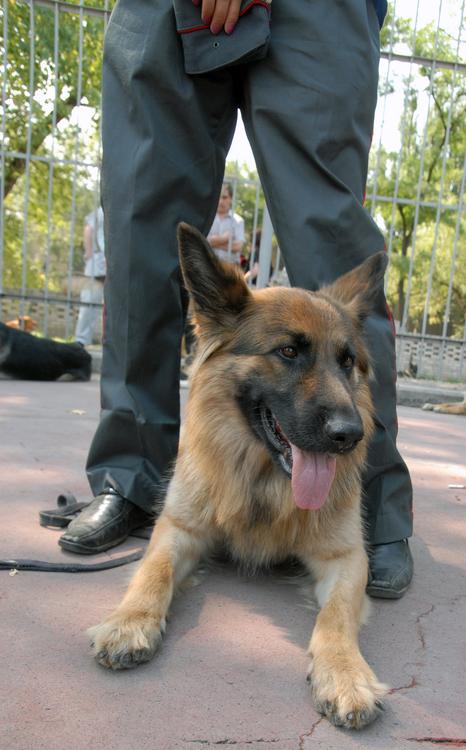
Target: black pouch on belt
{"type": "Point", "coordinates": [204, 51]}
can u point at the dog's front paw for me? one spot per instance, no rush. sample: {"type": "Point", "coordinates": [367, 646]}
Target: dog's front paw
{"type": "Point", "coordinates": [124, 642]}
{"type": "Point", "coordinates": [345, 690]}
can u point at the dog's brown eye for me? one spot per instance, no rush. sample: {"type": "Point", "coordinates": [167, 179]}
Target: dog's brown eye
{"type": "Point", "coordinates": [289, 352]}
{"type": "Point", "coordinates": [347, 362]}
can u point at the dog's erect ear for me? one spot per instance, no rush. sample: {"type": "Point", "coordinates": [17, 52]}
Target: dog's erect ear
{"type": "Point", "coordinates": [360, 288]}
{"type": "Point", "coordinates": [218, 289]}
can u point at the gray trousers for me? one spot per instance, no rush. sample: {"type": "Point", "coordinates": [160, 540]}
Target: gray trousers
{"type": "Point", "coordinates": [308, 110]}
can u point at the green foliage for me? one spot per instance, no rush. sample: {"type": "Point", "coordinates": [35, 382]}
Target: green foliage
{"type": "Point", "coordinates": [429, 168]}
{"type": "Point", "coordinates": [46, 81]}
{"type": "Point", "coordinates": [46, 77]}
{"type": "Point", "coordinates": [395, 30]}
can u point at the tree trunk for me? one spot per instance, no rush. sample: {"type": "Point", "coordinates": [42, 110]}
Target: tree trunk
{"type": "Point", "coordinates": [17, 165]}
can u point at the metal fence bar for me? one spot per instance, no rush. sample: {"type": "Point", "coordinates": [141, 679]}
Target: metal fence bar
{"type": "Point", "coordinates": [421, 203]}
{"type": "Point", "coordinates": [265, 251]}
{"type": "Point", "coordinates": [379, 148]}
{"type": "Point", "coordinates": [55, 300]}
{"type": "Point", "coordinates": [253, 248]}
{"type": "Point", "coordinates": [233, 210]}
{"type": "Point", "coordinates": [430, 337]}
{"type": "Point", "coordinates": [28, 154]}
{"type": "Point", "coordinates": [56, 18]}
{"type": "Point", "coordinates": [75, 8]}
{"type": "Point", "coordinates": [75, 175]}
{"type": "Point", "coordinates": [47, 159]}
{"type": "Point", "coordinates": [446, 317]}
{"type": "Point", "coordinates": [403, 140]}
{"type": "Point", "coordinates": [403, 136]}
{"type": "Point", "coordinates": [419, 184]}
{"type": "Point", "coordinates": [463, 352]}
{"type": "Point", "coordinates": [440, 195]}
{"type": "Point", "coordinates": [2, 154]}
{"type": "Point", "coordinates": [378, 198]}
{"type": "Point", "coordinates": [424, 61]}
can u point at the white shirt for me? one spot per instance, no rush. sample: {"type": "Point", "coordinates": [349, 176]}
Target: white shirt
{"type": "Point", "coordinates": [96, 265]}
{"type": "Point", "coordinates": [234, 224]}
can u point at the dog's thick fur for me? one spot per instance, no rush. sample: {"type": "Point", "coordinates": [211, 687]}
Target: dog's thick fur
{"type": "Point", "coordinates": [298, 358]}
{"type": "Point", "coordinates": [29, 357]}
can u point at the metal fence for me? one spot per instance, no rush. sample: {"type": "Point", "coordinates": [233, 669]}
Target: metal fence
{"type": "Point", "coordinates": [50, 156]}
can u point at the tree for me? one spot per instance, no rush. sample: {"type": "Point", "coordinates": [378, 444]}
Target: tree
{"type": "Point", "coordinates": [42, 76]}
{"type": "Point", "coordinates": [428, 168]}
{"type": "Point", "coordinates": [53, 73]}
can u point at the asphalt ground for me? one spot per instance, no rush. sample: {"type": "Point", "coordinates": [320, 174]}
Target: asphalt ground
{"type": "Point", "coordinates": [232, 668]}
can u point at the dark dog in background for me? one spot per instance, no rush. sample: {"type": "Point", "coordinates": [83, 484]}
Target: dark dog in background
{"type": "Point", "coordinates": [31, 358]}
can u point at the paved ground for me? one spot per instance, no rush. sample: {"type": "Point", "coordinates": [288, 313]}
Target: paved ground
{"type": "Point", "coordinates": [231, 672]}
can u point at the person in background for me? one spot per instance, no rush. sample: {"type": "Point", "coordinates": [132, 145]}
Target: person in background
{"type": "Point", "coordinates": [251, 266]}
{"type": "Point", "coordinates": [94, 271]}
{"type": "Point", "coordinates": [226, 235]}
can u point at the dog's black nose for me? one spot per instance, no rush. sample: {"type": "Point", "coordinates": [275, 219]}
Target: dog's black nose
{"type": "Point", "coordinates": [343, 433]}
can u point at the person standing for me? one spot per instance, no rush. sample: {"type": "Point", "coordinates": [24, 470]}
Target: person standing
{"type": "Point", "coordinates": [94, 271]}
{"type": "Point", "coordinates": [226, 235]}
{"type": "Point", "coordinates": [308, 105]}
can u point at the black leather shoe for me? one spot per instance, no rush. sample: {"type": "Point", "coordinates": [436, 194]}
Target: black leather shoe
{"type": "Point", "coordinates": [390, 570]}
{"type": "Point", "coordinates": [106, 522]}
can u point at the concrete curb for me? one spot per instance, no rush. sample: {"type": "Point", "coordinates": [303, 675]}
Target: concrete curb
{"type": "Point", "coordinates": [410, 392]}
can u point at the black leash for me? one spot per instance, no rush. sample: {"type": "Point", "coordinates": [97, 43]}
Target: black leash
{"type": "Point", "coordinates": [60, 517]}
{"type": "Point", "coordinates": [49, 567]}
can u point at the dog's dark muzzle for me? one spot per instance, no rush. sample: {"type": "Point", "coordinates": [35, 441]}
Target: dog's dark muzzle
{"type": "Point", "coordinates": [334, 434]}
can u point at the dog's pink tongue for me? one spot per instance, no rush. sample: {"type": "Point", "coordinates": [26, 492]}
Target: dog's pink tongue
{"type": "Point", "coordinates": [311, 478]}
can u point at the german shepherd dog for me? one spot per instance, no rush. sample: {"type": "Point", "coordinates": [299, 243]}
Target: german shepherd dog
{"type": "Point", "coordinates": [270, 458]}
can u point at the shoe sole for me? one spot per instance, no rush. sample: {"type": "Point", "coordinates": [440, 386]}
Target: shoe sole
{"type": "Point", "coordinates": [383, 593]}
{"type": "Point", "coordinates": [79, 549]}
